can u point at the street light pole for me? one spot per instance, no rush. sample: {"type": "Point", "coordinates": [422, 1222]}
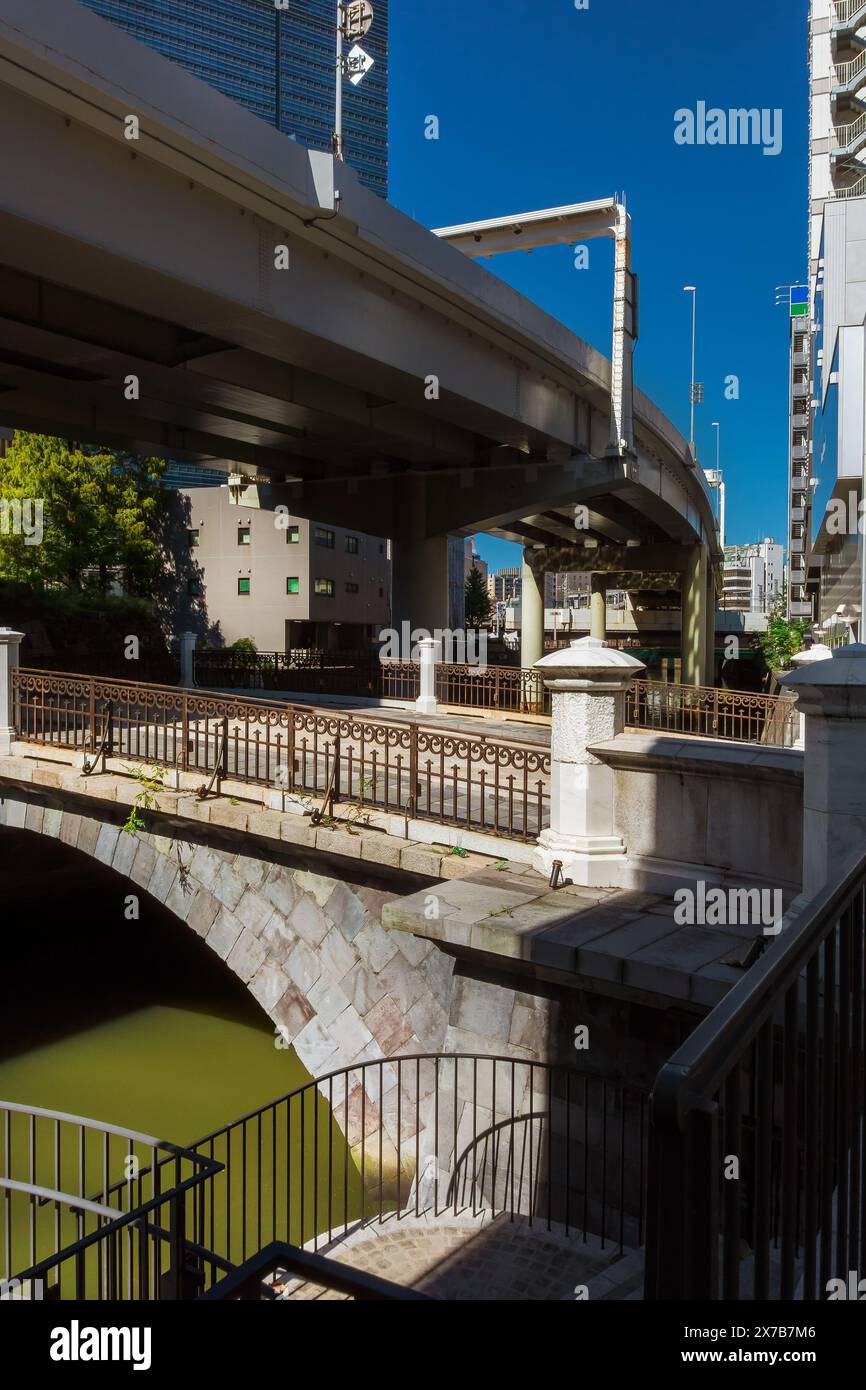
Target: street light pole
{"type": "Point", "coordinates": [692, 290]}
{"type": "Point", "coordinates": [721, 485]}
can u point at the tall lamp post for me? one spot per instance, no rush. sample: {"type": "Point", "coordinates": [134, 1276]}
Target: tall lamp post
{"type": "Point", "coordinates": [693, 391]}
{"type": "Point", "coordinates": [716, 480]}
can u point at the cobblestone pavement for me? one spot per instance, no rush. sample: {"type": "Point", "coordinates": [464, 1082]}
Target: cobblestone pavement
{"type": "Point", "coordinates": [479, 1259]}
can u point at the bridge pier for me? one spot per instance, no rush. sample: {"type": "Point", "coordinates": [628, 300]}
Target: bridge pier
{"type": "Point", "coordinates": [598, 606]}
{"type": "Point", "coordinates": [694, 616]}
{"type": "Point", "coordinates": [531, 616]}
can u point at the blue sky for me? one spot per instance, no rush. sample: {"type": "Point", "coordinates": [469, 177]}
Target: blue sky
{"type": "Point", "coordinates": [540, 104]}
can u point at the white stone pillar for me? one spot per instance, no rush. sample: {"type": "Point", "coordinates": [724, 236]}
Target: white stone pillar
{"type": "Point", "coordinates": [832, 696]}
{"type": "Point", "coordinates": [817, 652]}
{"type": "Point", "coordinates": [10, 643]}
{"type": "Point", "coordinates": [187, 641]}
{"type": "Point", "coordinates": [588, 681]}
{"type": "Point", "coordinates": [429, 654]}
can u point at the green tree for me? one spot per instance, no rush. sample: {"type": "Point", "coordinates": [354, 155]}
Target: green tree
{"type": "Point", "coordinates": [783, 638]}
{"type": "Point", "coordinates": [478, 609]}
{"type": "Point", "coordinates": [101, 513]}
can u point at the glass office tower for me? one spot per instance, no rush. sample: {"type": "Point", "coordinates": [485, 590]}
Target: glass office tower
{"type": "Point", "coordinates": [278, 63]}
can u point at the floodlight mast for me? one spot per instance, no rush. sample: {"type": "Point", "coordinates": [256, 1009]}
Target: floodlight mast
{"type": "Point", "coordinates": [529, 231]}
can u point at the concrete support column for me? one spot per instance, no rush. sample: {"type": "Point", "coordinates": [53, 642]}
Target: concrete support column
{"type": "Point", "coordinates": [10, 643]}
{"type": "Point", "coordinates": [531, 617]}
{"type": "Point", "coordinates": [598, 607]}
{"type": "Point", "coordinates": [694, 619]}
{"type": "Point", "coordinates": [588, 681]}
{"type": "Point", "coordinates": [420, 563]}
{"type": "Point", "coordinates": [831, 695]}
{"type": "Point", "coordinates": [710, 676]}
{"type": "Point", "coordinates": [187, 641]}
{"type": "Point", "coordinates": [429, 654]}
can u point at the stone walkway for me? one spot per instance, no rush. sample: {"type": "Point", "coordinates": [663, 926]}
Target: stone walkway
{"type": "Point", "coordinates": [479, 1259]}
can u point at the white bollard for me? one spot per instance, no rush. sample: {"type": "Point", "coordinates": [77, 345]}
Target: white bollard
{"type": "Point", "coordinates": [10, 643]}
{"type": "Point", "coordinates": [429, 655]}
{"type": "Point", "coordinates": [588, 681]}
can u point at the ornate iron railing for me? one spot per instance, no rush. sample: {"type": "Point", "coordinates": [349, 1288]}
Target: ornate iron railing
{"type": "Point", "coordinates": [494, 785]}
{"type": "Point", "coordinates": [91, 1210]}
{"type": "Point", "coordinates": [511, 689]}
{"type": "Point", "coordinates": [758, 1158]}
{"type": "Point", "coordinates": [727, 714]}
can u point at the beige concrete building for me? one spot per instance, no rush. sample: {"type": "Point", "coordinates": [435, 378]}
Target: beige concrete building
{"type": "Point", "coordinates": [282, 580]}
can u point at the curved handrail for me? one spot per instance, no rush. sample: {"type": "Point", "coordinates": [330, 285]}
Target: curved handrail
{"type": "Point", "coordinates": [68, 1199]}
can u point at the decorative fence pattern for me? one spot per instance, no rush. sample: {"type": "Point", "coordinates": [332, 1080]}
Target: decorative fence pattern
{"type": "Point", "coordinates": [512, 689]}
{"type": "Point", "coordinates": [711, 713]}
{"type": "Point", "coordinates": [495, 785]}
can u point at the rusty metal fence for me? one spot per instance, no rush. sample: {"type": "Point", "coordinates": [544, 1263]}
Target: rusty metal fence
{"type": "Point", "coordinates": [494, 785]}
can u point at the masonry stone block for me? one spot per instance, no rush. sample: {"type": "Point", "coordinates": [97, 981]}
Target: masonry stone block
{"type": "Point", "coordinates": [279, 890]}
{"type": "Point", "coordinates": [388, 1025]}
{"type": "Point", "coordinates": [254, 911]}
{"type": "Point", "coordinates": [345, 909]}
{"type": "Point", "coordinates": [228, 886]}
{"type": "Point", "coordinates": [328, 1000]}
{"type": "Point", "coordinates": [293, 1012]}
{"type": "Point", "coordinates": [308, 920]}
{"type": "Point", "coordinates": [337, 955]}
{"type": "Point", "coordinates": [224, 932]}
{"type": "Point", "coordinates": [33, 816]}
{"type": "Point", "coordinates": [303, 966]}
{"type": "Point", "coordinates": [202, 911]}
{"type": "Point", "coordinates": [106, 843]}
{"type": "Point", "coordinates": [162, 878]}
{"type": "Point", "coordinates": [246, 956]}
{"type": "Point", "coordinates": [206, 864]}
{"type": "Point", "coordinates": [69, 828]}
{"type": "Point", "coordinates": [268, 986]}
{"type": "Point", "coordinates": [125, 850]}
{"type": "Point", "coordinates": [375, 945]}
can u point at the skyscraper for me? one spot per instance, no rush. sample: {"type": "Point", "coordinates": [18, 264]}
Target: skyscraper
{"type": "Point", "coordinates": [278, 63]}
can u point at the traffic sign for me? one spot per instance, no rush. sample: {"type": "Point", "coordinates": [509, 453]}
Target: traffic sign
{"type": "Point", "coordinates": [357, 19]}
{"type": "Point", "coordinates": [358, 64]}
{"type": "Point", "coordinates": [799, 301]}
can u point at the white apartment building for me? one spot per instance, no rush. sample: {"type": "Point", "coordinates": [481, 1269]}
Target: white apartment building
{"type": "Point", "coordinates": [828, 393]}
{"type": "Point", "coordinates": [754, 576]}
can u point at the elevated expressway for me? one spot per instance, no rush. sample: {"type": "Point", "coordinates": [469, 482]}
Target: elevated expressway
{"type": "Point", "coordinates": [383, 380]}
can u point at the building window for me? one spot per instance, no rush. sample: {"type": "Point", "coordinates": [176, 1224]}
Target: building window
{"type": "Point", "coordinates": [352, 545]}
{"type": "Point", "coordinates": [352, 589]}
{"type": "Point", "coordinates": [243, 586]}
{"type": "Point", "coordinates": [324, 537]}
{"type": "Point", "coordinates": [293, 586]}
{"type": "Point", "coordinates": [194, 538]}
{"type": "Point", "coordinates": [325, 587]}
{"type": "Point", "coordinates": [243, 535]}
{"type": "Point", "coordinates": [293, 535]}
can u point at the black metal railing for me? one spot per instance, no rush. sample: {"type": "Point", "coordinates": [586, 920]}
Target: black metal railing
{"type": "Point", "coordinates": [511, 689]}
{"type": "Point", "coordinates": [708, 712]}
{"type": "Point", "coordinates": [430, 1135]}
{"type": "Point", "coordinates": [270, 1273]}
{"type": "Point", "coordinates": [93, 1211]}
{"type": "Point", "coordinates": [483, 783]}
{"type": "Point", "coordinates": [757, 1159]}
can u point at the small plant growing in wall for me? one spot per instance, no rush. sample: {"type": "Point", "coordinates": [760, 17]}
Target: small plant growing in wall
{"type": "Point", "coordinates": [151, 781]}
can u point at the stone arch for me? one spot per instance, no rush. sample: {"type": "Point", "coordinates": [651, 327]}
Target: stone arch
{"type": "Point", "coordinates": [338, 986]}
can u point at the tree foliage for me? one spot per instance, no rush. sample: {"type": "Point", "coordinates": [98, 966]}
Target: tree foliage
{"type": "Point", "coordinates": [102, 515]}
{"type": "Point", "coordinates": [478, 609]}
{"type": "Point", "coordinates": [783, 638]}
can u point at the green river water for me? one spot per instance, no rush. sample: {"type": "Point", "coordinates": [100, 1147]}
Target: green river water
{"type": "Point", "coordinates": [139, 1024]}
